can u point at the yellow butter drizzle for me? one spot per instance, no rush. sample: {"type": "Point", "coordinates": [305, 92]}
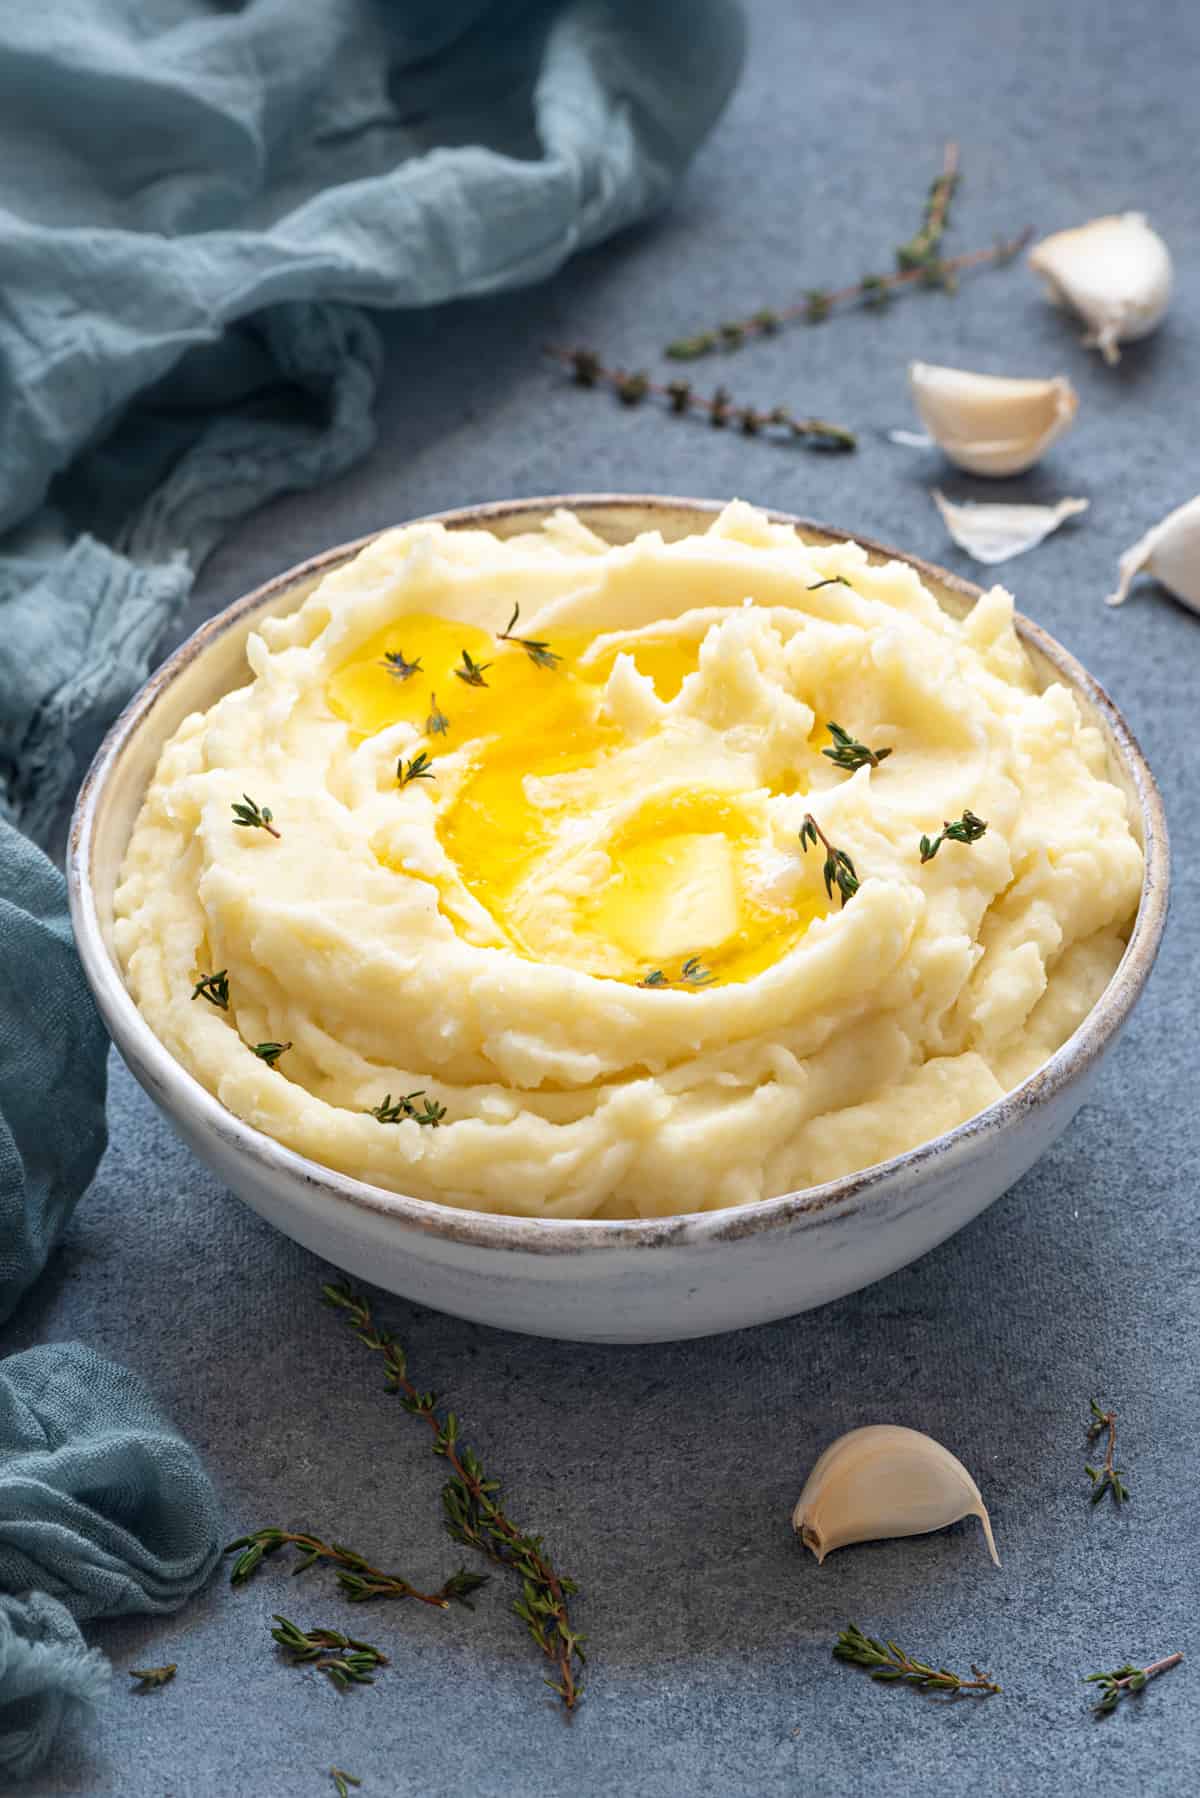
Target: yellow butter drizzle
{"type": "Point", "coordinates": [672, 879]}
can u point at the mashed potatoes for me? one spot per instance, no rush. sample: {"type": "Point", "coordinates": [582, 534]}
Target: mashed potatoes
{"type": "Point", "coordinates": [538, 931]}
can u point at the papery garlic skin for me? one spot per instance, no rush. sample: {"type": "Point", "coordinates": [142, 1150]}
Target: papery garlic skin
{"type": "Point", "coordinates": [1170, 551]}
{"type": "Point", "coordinates": [991, 424]}
{"type": "Point", "coordinates": [1115, 272]}
{"type": "Point", "coordinates": [882, 1481]}
{"type": "Point", "coordinates": [993, 532]}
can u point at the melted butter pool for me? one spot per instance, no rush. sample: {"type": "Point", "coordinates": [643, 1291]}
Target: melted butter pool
{"type": "Point", "coordinates": [544, 829]}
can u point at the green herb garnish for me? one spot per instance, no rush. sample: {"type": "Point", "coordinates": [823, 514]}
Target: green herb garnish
{"type": "Point", "coordinates": [850, 754]}
{"type": "Point", "coordinates": [403, 1107]}
{"type": "Point", "coordinates": [1124, 1682]}
{"type": "Point", "coordinates": [472, 672]}
{"type": "Point", "coordinates": [538, 651]}
{"type": "Point", "coordinates": [967, 829]}
{"type": "Point", "coordinates": [270, 1052]}
{"type": "Point", "coordinates": [395, 662]}
{"type": "Point", "coordinates": [346, 1660]}
{"type": "Point", "coordinates": [420, 768]}
{"type": "Point", "coordinates": [152, 1678]}
{"type": "Point", "coordinates": [357, 1578]}
{"type": "Point", "coordinates": [214, 988]}
{"type": "Point", "coordinates": [253, 817]}
{"type": "Point", "coordinates": [838, 870]}
{"type": "Point", "coordinates": [473, 1512]}
{"type": "Point", "coordinates": [888, 1662]}
{"type": "Point", "coordinates": [1106, 1478]}
{"type": "Point", "coordinates": [437, 723]}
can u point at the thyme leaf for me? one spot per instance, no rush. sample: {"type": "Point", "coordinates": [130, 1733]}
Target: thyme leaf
{"type": "Point", "coordinates": [692, 973]}
{"type": "Point", "coordinates": [214, 988]}
{"type": "Point", "coordinates": [437, 723]}
{"type": "Point", "coordinates": [537, 649]}
{"type": "Point", "coordinates": [270, 1052]}
{"type": "Point", "coordinates": [472, 672]}
{"type": "Point", "coordinates": [1126, 1681]}
{"type": "Point", "coordinates": [343, 1781]}
{"type": "Point", "coordinates": [838, 870]}
{"type": "Point", "coordinates": [850, 754]}
{"type": "Point", "coordinates": [887, 1662]}
{"type": "Point", "coordinates": [1106, 1478]}
{"type": "Point", "coordinates": [253, 817]}
{"type": "Point", "coordinates": [967, 829]}
{"type": "Point", "coordinates": [344, 1659]}
{"type": "Point", "coordinates": [420, 768]}
{"type": "Point", "coordinates": [403, 1107]}
{"type": "Point", "coordinates": [395, 662]}
{"type": "Point", "coordinates": [152, 1678]}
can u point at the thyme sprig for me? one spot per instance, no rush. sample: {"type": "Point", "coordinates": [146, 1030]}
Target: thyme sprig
{"type": "Point", "coordinates": [922, 249]}
{"type": "Point", "coordinates": [849, 753]}
{"type": "Point", "coordinates": [1126, 1681]}
{"type": "Point", "coordinates": [889, 1662]}
{"type": "Point", "coordinates": [1106, 1478]}
{"type": "Point", "coordinates": [870, 291]}
{"type": "Point", "coordinates": [343, 1781]}
{"type": "Point", "coordinates": [396, 663]}
{"type": "Point", "coordinates": [270, 1052]}
{"type": "Point", "coordinates": [347, 1661]}
{"type": "Point", "coordinates": [473, 1512]}
{"type": "Point", "coordinates": [536, 648]}
{"type": "Point", "coordinates": [419, 768]}
{"type": "Point", "coordinates": [720, 408]}
{"type": "Point", "coordinates": [472, 672]}
{"type": "Point", "coordinates": [967, 829]}
{"type": "Point", "coordinates": [402, 1107]}
{"type": "Point", "coordinates": [250, 816]}
{"type": "Point", "coordinates": [214, 988]}
{"type": "Point", "coordinates": [437, 723]}
{"type": "Point", "coordinates": [358, 1579]}
{"type": "Point", "coordinates": [831, 580]}
{"type": "Point", "coordinates": [692, 973]}
{"type": "Point", "coordinates": [838, 870]}
{"type": "Point", "coordinates": [151, 1678]}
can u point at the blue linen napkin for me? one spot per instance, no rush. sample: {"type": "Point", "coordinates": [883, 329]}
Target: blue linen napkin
{"type": "Point", "coordinates": [104, 1509]}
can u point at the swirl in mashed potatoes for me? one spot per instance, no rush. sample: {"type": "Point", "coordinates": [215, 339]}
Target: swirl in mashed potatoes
{"type": "Point", "coordinates": [591, 932]}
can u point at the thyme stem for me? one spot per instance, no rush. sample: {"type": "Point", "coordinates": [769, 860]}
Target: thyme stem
{"type": "Point", "coordinates": [871, 291]}
{"type": "Point", "coordinates": [355, 1575]}
{"type": "Point", "coordinates": [719, 407]}
{"type": "Point", "coordinates": [888, 1662]}
{"type": "Point", "coordinates": [1108, 1477]}
{"type": "Point", "coordinates": [838, 870]}
{"type": "Point", "coordinates": [1126, 1681]}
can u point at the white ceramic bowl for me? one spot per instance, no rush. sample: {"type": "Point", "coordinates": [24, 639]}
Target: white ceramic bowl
{"type": "Point", "coordinates": [606, 1281]}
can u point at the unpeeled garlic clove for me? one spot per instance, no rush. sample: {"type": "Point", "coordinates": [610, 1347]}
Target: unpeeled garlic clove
{"type": "Point", "coordinates": [1115, 272]}
{"type": "Point", "coordinates": [882, 1481]}
{"type": "Point", "coordinates": [991, 424]}
{"type": "Point", "coordinates": [1171, 553]}
{"type": "Point", "coordinates": [994, 532]}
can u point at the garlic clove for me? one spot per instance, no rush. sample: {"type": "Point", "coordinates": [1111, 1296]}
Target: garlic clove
{"type": "Point", "coordinates": [1170, 551]}
{"type": "Point", "coordinates": [884, 1481]}
{"type": "Point", "coordinates": [1115, 272]}
{"type": "Point", "coordinates": [994, 533]}
{"type": "Point", "coordinates": [991, 424]}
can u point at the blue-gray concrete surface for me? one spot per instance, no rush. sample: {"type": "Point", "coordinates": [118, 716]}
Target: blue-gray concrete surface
{"type": "Point", "coordinates": [663, 1476]}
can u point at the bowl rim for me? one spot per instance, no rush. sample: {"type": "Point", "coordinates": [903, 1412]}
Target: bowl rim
{"type": "Point", "coordinates": [181, 1091]}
